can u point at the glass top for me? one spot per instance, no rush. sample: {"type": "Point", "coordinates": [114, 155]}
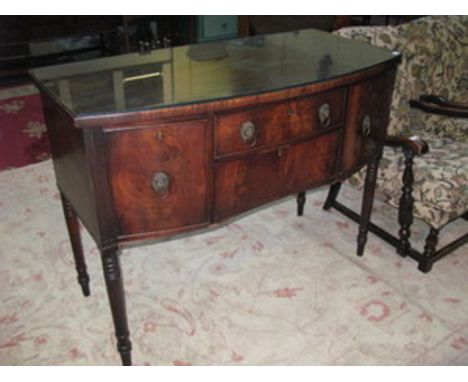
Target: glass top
{"type": "Point", "coordinates": [206, 72]}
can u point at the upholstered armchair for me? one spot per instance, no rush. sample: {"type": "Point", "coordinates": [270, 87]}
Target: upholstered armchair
{"type": "Point", "coordinates": [424, 168]}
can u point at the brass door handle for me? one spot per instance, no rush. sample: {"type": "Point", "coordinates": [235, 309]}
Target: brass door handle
{"type": "Point", "coordinates": [161, 182]}
{"type": "Point", "coordinates": [248, 133]}
{"type": "Point", "coordinates": [366, 127]}
{"type": "Point", "coordinates": [324, 114]}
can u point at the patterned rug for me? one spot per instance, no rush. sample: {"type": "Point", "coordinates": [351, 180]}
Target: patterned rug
{"type": "Point", "coordinates": [23, 135]}
{"type": "Point", "coordinates": [269, 288]}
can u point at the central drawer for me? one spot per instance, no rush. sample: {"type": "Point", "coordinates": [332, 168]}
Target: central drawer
{"type": "Point", "coordinates": [248, 182]}
{"type": "Point", "coordinates": [265, 126]}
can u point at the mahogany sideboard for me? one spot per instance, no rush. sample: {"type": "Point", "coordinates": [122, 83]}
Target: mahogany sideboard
{"type": "Point", "coordinates": [154, 144]}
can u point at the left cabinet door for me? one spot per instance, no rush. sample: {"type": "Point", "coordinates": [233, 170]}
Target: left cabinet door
{"type": "Point", "coordinates": [158, 177]}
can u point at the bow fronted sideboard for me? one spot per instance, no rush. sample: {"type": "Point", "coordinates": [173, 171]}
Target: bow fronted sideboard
{"type": "Point", "coordinates": [154, 144]}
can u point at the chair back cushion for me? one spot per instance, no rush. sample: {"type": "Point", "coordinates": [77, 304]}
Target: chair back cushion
{"type": "Point", "coordinates": [434, 61]}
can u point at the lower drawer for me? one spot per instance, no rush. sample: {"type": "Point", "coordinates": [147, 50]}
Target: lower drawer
{"type": "Point", "coordinates": [260, 178]}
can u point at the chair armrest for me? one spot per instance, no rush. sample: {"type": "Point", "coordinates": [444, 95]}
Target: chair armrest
{"type": "Point", "coordinates": [439, 105]}
{"type": "Point", "coordinates": [439, 100]}
{"type": "Point", "coordinates": [415, 144]}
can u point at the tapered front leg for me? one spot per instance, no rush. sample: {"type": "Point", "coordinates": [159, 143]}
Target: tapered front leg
{"type": "Point", "coordinates": [367, 203]}
{"type": "Point", "coordinates": [116, 293]}
{"type": "Point", "coordinates": [73, 226]}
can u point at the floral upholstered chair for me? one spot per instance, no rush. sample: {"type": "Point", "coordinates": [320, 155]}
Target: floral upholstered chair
{"type": "Point", "coordinates": [434, 186]}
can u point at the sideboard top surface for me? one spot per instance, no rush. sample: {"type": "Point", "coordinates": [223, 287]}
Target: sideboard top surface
{"type": "Point", "coordinates": [206, 72]}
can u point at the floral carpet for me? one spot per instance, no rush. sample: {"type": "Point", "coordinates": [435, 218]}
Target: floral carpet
{"type": "Point", "coordinates": [23, 135]}
{"type": "Point", "coordinates": [269, 288]}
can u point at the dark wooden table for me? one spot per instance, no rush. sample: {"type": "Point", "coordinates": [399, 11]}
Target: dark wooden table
{"type": "Point", "coordinates": [151, 145]}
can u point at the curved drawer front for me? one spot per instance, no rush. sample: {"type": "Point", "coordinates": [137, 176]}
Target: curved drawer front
{"type": "Point", "coordinates": [158, 177]}
{"type": "Point", "coordinates": [251, 181]}
{"type": "Point", "coordinates": [265, 126]}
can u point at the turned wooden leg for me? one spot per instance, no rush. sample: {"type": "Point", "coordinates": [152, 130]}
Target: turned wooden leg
{"type": "Point", "coordinates": [115, 291]}
{"type": "Point", "coordinates": [427, 259]}
{"type": "Point", "coordinates": [73, 226]}
{"type": "Point", "coordinates": [332, 195]}
{"type": "Point", "coordinates": [301, 199]}
{"type": "Point", "coordinates": [367, 202]}
{"type": "Point", "coordinates": [405, 210]}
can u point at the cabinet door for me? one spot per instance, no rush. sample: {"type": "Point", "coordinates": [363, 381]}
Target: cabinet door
{"type": "Point", "coordinates": [158, 177]}
{"type": "Point", "coordinates": [366, 123]}
{"type": "Point", "coordinates": [263, 177]}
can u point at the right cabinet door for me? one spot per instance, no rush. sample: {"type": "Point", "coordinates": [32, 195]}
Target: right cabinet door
{"type": "Point", "coordinates": [366, 123]}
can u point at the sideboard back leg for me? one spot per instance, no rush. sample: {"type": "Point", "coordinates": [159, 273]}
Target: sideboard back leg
{"type": "Point", "coordinates": [116, 293]}
{"type": "Point", "coordinates": [301, 199]}
{"type": "Point", "coordinates": [367, 202]}
{"type": "Point", "coordinates": [73, 226]}
{"type": "Point", "coordinates": [332, 195]}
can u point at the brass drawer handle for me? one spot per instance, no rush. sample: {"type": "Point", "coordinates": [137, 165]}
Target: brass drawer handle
{"type": "Point", "coordinates": [161, 182]}
{"type": "Point", "coordinates": [248, 133]}
{"type": "Point", "coordinates": [366, 127]}
{"type": "Point", "coordinates": [324, 115]}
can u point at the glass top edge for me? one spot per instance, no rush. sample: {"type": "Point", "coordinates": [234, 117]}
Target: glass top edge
{"type": "Point", "coordinates": [206, 72]}
{"type": "Point", "coordinates": [89, 116]}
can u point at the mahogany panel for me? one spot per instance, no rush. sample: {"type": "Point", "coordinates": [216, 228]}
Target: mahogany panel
{"type": "Point", "coordinates": [278, 123]}
{"type": "Point", "coordinates": [305, 112]}
{"type": "Point", "coordinates": [137, 155]}
{"type": "Point", "coordinates": [265, 176]}
{"type": "Point", "coordinates": [367, 118]}
{"type": "Point", "coordinates": [270, 124]}
{"type": "Point", "coordinates": [70, 163]}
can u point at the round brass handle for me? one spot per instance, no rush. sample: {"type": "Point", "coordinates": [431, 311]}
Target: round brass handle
{"type": "Point", "coordinates": [324, 115]}
{"type": "Point", "coordinates": [366, 127]}
{"type": "Point", "coordinates": [161, 182]}
{"type": "Point", "coordinates": [248, 133]}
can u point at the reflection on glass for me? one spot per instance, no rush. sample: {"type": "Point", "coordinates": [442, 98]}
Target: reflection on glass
{"type": "Point", "coordinates": [206, 72]}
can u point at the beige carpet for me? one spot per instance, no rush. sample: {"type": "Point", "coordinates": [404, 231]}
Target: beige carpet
{"type": "Point", "coordinates": [267, 289]}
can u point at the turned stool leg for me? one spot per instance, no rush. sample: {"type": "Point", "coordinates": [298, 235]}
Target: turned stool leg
{"type": "Point", "coordinates": [115, 291]}
{"type": "Point", "coordinates": [332, 195]}
{"type": "Point", "coordinates": [301, 199]}
{"type": "Point", "coordinates": [73, 226]}
{"type": "Point", "coordinates": [367, 202]}
{"type": "Point", "coordinates": [427, 259]}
